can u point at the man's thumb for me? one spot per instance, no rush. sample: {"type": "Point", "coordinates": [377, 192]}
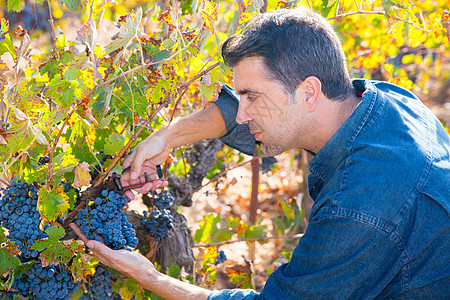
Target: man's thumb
{"type": "Point", "coordinates": [90, 245]}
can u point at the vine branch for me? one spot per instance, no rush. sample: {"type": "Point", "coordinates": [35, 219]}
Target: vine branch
{"type": "Point", "coordinates": [368, 12]}
{"type": "Point", "coordinates": [229, 169]}
{"type": "Point", "coordinates": [264, 238]}
{"type": "Point", "coordinates": [131, 141]}
{"type": "Point", "coordinates": [186, 85]}
{"type": "Point", "coordinates": [54, 146]}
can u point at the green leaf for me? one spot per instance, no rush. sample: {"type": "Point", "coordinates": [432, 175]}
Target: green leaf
{"type": "Point", "coordinates": [53, 249]}
{"type": "Point", "coordinates": [329, 10]}
{"type": "Point", "coordinates": [173, 271]}
{"type": "Point", "coordinates": [255, 231]}
{"type": "Point", "coordinates": [15, 5]}
{"type": "Point", "coordinates": [105, 121]}
{"type": "Point", "coordinates": [211, 92]}
{"type": "Point", "coordinates": [209, 232]}
{"type": "Point", "coordinates": [114, 144]}
{"type": "Point", "coordinates": [161, 55]}
{"type": "Point", "coordinates": [288, 211]}
{"type": "Point", "coordinates": [2, 235]}
{"type": "Point", "coordinates": [127, 32]}
{"type": "Point", "coordinates": [73, 5]}
{"type": "Point", "coordinates": [7, 262]}
{"type": "Point", "coordinates": [186, 7]}
{"type": "Point", "coordinates": [52, 204]}
{"type": "Point", "coordinates": [6, 46]}
{"type": "Point", "coordinates": [387, 5]}
{"type": "Point", "coordinates": [168, 43]}
{"type": "Point", "coordinates": [72, 73]}
{"type": "Point", "coordinates": [54, 234]}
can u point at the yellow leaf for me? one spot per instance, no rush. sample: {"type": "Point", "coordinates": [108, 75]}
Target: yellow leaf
{"type": "Point", "coordinates": [210, 14]}
{"type": "Point", "coordinates": [82, 176]}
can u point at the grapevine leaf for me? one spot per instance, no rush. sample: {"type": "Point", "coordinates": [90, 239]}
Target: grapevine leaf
{"type": "Point", "coordinates": [23, 132]}
{"type": "Point", "coordinates": [173, 271]}
{"type": "Point", "coordinates": [83, 265]}
{"type": "Point", "coordinates": [387, 5]}
{"type": "Point", "coordinates": [2, 235]}
{"type": "Point", "coordinates": [167, 18]}
{"type": "Point", "coordinates": [54, 234]}
{"type": "Point", "coordinates": [127, 31]}
{"type": "Point", "coordinates": [105, 121]}
{"type": "Point", "coordinates": [210, 92]}
{"type": "Point", "coordinates": [7, 262]}
{"type": "Point", "coordinates": [6, 45]}
{"type": "Point", "coordinates": [210, 14]}
{"type": "Point", "coordinates": [82, 176]}
{"type": "Point", "coordinates": [129, 288]}
{"type": "Point", "coordinates": [288, 211]}
{"type": "Point", "coordinates": [72, 73]}
{"type": "Point", "coordinates": [53, 250]}
{"type": "Point", "coordinates": [209, 232]}
{"type": "Point", "coordinates": [114, 144]}
{"type": "Point", "coordinates": [329, 8]}
{"type": "Point", "coordinates": [255, 231]}
{"type": "Point", "coordinates": [4, 27]}
{"type": "Point", "coordinates": [15, 5]}
{"type": "Point", "coordinates": [73, 5]}
{"type": "Point", "coordinates": [52, 203]}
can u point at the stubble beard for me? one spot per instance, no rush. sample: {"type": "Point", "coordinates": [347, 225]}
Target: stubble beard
{"type": "Point", "coordinates": [268, 148]}
{"type": "Point", "coordinates": [271, 149]}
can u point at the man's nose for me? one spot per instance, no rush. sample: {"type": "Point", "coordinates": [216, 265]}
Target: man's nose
{"type": "Point", "coordinates": [243, 115]}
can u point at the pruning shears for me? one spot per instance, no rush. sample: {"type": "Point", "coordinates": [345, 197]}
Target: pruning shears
{"type": "Point", "coordinates": [116, 179]}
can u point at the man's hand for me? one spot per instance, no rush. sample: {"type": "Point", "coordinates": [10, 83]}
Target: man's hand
{"type": "Point", "coordinates": [154, 150]}
{"type": "Point", "coordinates": [128, 263]}
{"type": "Point", "coordinates": [151, 152]}
{"type": "Point", "coordinates": [143, 271]}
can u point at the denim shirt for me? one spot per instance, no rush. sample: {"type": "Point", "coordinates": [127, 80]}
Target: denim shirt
{"type": "Point", "coordinates": [380, 224]}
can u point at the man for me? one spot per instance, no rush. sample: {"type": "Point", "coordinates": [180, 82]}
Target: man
{"type": "Point", "coordinates": [379, 226]}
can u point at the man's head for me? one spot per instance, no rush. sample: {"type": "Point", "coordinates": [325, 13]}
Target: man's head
{"type": "Point", "coordinates": [293, 44]}
{"type": "Point", "coordinates": [291, 74]}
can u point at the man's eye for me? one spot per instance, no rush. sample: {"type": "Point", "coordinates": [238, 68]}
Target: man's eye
{"type": "Point", "coordinates": [251, 98]}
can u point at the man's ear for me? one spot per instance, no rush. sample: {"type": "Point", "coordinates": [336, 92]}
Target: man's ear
{"type": "Point", "coordinates": [312, 88]}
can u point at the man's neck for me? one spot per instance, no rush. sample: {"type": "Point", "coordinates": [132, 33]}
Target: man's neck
{"type": "Point", "coordinates": [330, 117]}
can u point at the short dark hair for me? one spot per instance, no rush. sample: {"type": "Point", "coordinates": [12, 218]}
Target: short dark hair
{"type": "Point", "coordinates": [293, 44]}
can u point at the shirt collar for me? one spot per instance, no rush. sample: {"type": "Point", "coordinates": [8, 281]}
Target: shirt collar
{"type": "Point", "coordinates": [327, 160]}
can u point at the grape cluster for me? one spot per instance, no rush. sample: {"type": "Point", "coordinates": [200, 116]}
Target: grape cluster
{"type": "Point", "coordinates": [50, 282]}
{"type": "Point", "coordinates": [159, 221]}
{"type": "Point", "coordinates": [220, 258]}
{"type": "Point", "coordinates": [104, 217]}
{"type": "Point", "coordinates": [163, 200]}
{"type": "Point", "coordinates": [43, 160]}
{"type": "Point", "coordinates": [19, 214]}
{"type": "Point", "coordinates": [100, 287]}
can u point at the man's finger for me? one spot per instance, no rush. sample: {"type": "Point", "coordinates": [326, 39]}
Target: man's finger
{"type": "Point", "coordinates": [77, 231]}
{"type": "Point", "coordinates": [129, 194]}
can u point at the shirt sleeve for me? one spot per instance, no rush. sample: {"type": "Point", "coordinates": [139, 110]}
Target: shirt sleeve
{"type": "Point", "coordinates": [238, 135]}
{"type": "Point", "coordinates": [338, 257]}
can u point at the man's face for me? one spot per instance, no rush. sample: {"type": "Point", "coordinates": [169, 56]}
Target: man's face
{"type": "Point", "coordinates": [272, 118]}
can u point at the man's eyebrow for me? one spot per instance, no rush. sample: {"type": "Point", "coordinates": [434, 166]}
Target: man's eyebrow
{"type": "Point", "coordinates": [247, 91]}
